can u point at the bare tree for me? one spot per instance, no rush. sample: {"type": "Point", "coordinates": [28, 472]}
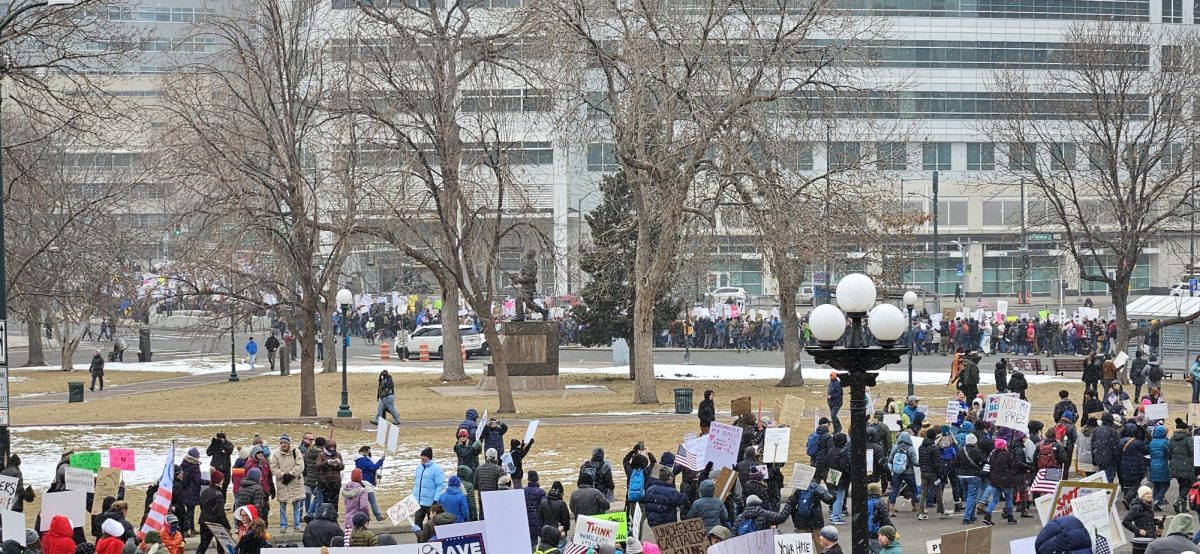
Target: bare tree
{"type": "Point", "coordinates": [1134, 125]}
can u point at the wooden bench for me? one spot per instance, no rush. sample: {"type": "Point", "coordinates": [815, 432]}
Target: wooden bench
{"type": "Point", "coordinates": [1062, 366]}
{"type": "Point", "coordinates": [1032, 365]}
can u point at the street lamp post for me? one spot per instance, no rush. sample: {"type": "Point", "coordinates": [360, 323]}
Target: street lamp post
{"type": "Point", "coordinates": [910, 300]}
{"type": "Point", "coordinates": [858, 367]}
{"type": "Point", "coordinates": [344, 298]}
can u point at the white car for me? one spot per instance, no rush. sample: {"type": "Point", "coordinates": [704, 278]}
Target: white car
{"type": "Point", "coordinates": [1182, 289]}
{"type": "Point", "coordinates": [726, 294]}
{"type": "Point", "coordinates": [805, 296]}
{"type": "Point", "coordinates": [431, 336]}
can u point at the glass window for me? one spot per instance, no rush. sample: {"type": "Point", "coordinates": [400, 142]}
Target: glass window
{"type": "Point", "coordinates": [844, 155]}
{"type": "Point", "coordinates": [1062, 156]}
{"type": "Point", "coordinates": [1002, 212]}
{"type": "Point", "coordinates": [1172, 156]}
{"type": "Point", "coordinates": [602, 157]}
{"type": "Point", "coordinates": [1002, 275]}
{"type": "Point", "coordinates": [981, 156]}
{"type": "Point", "coordinates": [797, 156]}
{"type": "Point", "coordinates": [1021, 156]}
{"type": "Point", "coordinates": [892, 156]}
{"type": "Point", "coordinates": [920, 273]}
{"type": "Point", "coordinates": [1138, 282]}
{"type": "Point", "coordinates": [1172, 11]}
{"type": "Point", "coordinates": [597, 105]}
{"type": "Point", "coordinates": [935, 156]}
{"type": "Point", "coordinates": [952, 212]}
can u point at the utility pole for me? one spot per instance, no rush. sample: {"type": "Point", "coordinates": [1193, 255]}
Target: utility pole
{"type": "Point", "coordinates": [937, 268]}
{"type": "Point", "coordinates": [1024, 250]}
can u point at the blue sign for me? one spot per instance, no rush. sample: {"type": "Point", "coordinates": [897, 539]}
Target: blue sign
{"type": "Point", "coordinates": [1191, 284]}
{"type": "Point", "coordinates": [958, 270]}
{"type": "Point", "coordinates": [466, 544]}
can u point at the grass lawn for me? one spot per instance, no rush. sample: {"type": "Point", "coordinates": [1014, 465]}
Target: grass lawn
{"type": "Point", "coordinates": [22, 382]}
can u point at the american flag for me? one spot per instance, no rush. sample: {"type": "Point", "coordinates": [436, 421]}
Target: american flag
{"type": "Point", "coordinates": [686, 458]}
{"type": "Point", "coordinates": [156, 518]}
{"type": "Point", "coordinates": [1100, 545]}
{"type": "Point", "coordinates": [1046, 481]}
{"type": "Point", "coordinates": [572, 548]}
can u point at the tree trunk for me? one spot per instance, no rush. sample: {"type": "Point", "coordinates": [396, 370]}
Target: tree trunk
{"type": "Point", "coordinates": [308, 360]}
{"type": "Point", "coordinates": [452, 362]}
{"type": "Point", "coordinates": [641, 350]}
{"type": "Point", "coordinates": [328, 338]}
{"type": "Point", "coordinates": [793, 373]}
{"type": "Point", "coordinates": [500, 368]}
{"type": "Point", "coordinates": [1120, 295]}
{"type": "Point", "coordinates": [33, 327]}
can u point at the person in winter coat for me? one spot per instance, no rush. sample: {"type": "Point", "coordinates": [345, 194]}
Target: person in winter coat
{"type": "Point", "coordinates": [534, 495]}
{"type": "Point", "coordinates": [212, 509]}
{"type": "Point", "coordinates": [466, 476]}
{"type": "Point", "coordinates": [929, 456]}
{"type": "Point", "coordinates": [763, 518]}
{"type": "Point", "coordinates": [1139, 520]}
{"type": "Point", "coordinates": [517, 450]}
{"type": "Point", "coordinates": [219, 452]}
{"type": "Point", "coordinates": [553, 510]}
{"type": "Point", "coordinates": [969, 461]}
{"type": "Point", "coordinates": [454, 501]}
{"type": "Point", "coordinates": [1132, 467]}
{"type": "Point", "coordinates": [1001, 373]}
{"type": "Point", "coordinates": [96, 370]}
{"type": "Point", "coordinates": [1177, 535]}
{"type": "Point", "coordinates": [662, 501]}
{"type": "Point", "coordinates": [1106, 450]}
{"type": "Point", "coordinates": [1004, 478]}
{"type": "Point", "coordinates": [707, 411]}
{"type": "Point", "coordinates": [287, 465]}
{"type": "Point", "coordinates": [251, 493]}
{"type": "Point", "coordinates": [889, 540]}
{"type": "Point", "coordinates": [587, 500]}
{"type": "Point", "coordinates": [1018, 384]}
{"type": "Point", "coordinates": [493, 435]}
{"type": "Point", "coordinates": [902, 462]}
{"type": "Point", "coordinates": [112, 541]}
{"type": "Point", "coordinates": [711, 510]}
{"type": "Point", "coordinates": [189, 494]}
{"type": "Point", "coordinates": [323, 528]}
{"type": "Point", "coordinates": [361, 536]}
{"type": "Point", "coordinates": [329, 472]}
{"type": "Point", "coordinates": [968, 378]}
{"type": "Point", "coordinates": [1093, 370]}
{"type": "Point", "coordinates": [1064, 534]}
{"type": "Point", "coordinates": [467, 449]}
{"type": "Point", "coordinates": [60, 539]}
{"type": "Point", "coordinates": [549, 538]}
{"type": "Point", "coordinates": [469, 423]}
{"type": "Point", "coordinates": [833, 397]}
{"type": "Point", "coordinates": [1137, 373]}
{"type": "Point", "coordinates": [1064, 405]}
{"type": "Point", "coordinates": [313, 492]}
{"type": "Point", "coordinates": [355, 497]}
{"type": "Point", "coordinates": [370, 472]}
{"type": "Point", "coordinates": [385, 395]}
{"type": "Point", "coordinates": [1160, 468]}
{"type": "Point", "coordinates": [600, 470]}
{"type": "Point", "coordinates": [429, 482]}
{"type": "Point", "coordinates": [258, 460]}
{"type": "Point", "coordinates": [24, 493]}
{"type": "Point", "coordinates": [804, 507]}
{"type": "Point", "coordinates": [1179, 458]}
{"type": "Point", "coordinates": [487, 476]}
{"type": "Point", "coordinates": [836, 459]}
{"type": "Point", "coordinates": [1115, 400]}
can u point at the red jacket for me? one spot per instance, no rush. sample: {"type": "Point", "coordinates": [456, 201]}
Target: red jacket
{"type": "Point", "coordinates": [60, 539]}
{"type": "Point", "coordinates": [110, 545]}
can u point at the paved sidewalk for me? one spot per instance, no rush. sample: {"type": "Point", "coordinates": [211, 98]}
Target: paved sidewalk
{"type": "Point", "coordinates": [143, 387]}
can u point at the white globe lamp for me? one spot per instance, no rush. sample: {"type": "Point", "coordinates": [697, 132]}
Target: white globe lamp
{"type": "Point", "coordinates": [887, 324]}
{"type": "Point", "coordinates": [345, 297]}
{"type": "Point", "coordinates": [910, 299]}
{"type": "Point", "coordinates": [856, 293]}
{"type": "Point", "coordinates": [827, 323]}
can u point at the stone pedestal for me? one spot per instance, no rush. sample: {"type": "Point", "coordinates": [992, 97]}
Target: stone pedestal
{"type": "Point", "coordinates": [531, 349]}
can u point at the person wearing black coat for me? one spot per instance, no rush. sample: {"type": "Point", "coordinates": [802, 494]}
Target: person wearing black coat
{"type": "Point", "coordinates": [1139, 520]}
{"type": "Point", "coordinates": [493, 435]}
{"type": "Point", "coordinates": [553, 509]}
{"type": "Point", "coordinates": [1018, 384]}
{"type": "Point", "coordinates": [212, 509]}
{"type": "Point", "coordinates": [837, 458]}
{"type": "Point", "coordinates": [1091, 405]}
{"type": "Point", "coordinates": [322, 529]}
{"type": "Point", "coordinates": [707, 412]}
{"type": "Point", "coordinates": [1093, 370]}
{"type": "Point", "coordinates": [1106, 447]}
{"type": "Point", "coordinates": [1005, 476]}
{"type": "Point", "coordinates": [534, 495]}
{"type": "Point", "coordinates": [816, 516]}
{"type": "Point", "coordinates": [220, 450]}
{"type": "Point", "coordinates": [1001, 373]}
{"type": "Point", "coordinates": [1132, 467]}
{"type": "Point", "coordinates": [1066, 535]}
{"type": "Point", "coordinates": [1064, 405]}
{"type": "Point", "coordinates": [662, 501]}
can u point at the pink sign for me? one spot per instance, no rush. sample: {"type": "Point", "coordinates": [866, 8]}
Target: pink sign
{"type": "Point", "coordinates": [733, 311]}
{"type": "Point", "coordinates": [121, 458]}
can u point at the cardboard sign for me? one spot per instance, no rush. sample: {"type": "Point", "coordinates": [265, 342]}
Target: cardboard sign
{"type": "Point", "coordinates": [71, 504]}
{"type": "Point", "coordinates": [403, 509]}
{"type": "Point", "coordinates": [795, 543]}
{"type": "Point", "coordinates": [758, 542]}
{"type": "Point", "coordinates": [802, 476]}
{"type": "Point", "coordinates": [724, 483]}
{"type": "Point", "coordinates": [86, 460]}
{"type": "Point", "coordinates": [723, 444]}
{"type": "Point", "coordinates": [531, 430]}
{"type": "Point", "coordinates": [892, 421]}
{"type": "Point", "coordinates": [108, 483]}
{"type": "Point", "coordinates": [791, 411]}
{"type": "Point", "coordinates": [122, 458]}
{"type": "Point", "coordinates": [682, 537]}
{"type": "Point", "coordinates": [9, 492]}
{"type": "Point", "coordinates": [952, 408]}
{"type": "Point", "coordinates": [1092, 511]}
{"type": "Point", "coordinates": [1156, 412]}
{"type": "Point", "coordinates": [13, 526]}
{"type": "Point", "coordinates": [1066, 491]}
{"type": "Point", "coordinates": [977, 540]}
{"type": "Point", "coordinates": [590, 531]}
{"type": "Point", "coordinates": [505, 512]}
{"type": "Point", "coordinates": [775, 444]}
{"type": "Point", "coordinates": [1045, 502]}
{"type": "Point", "coordinates": [620, 519]}
{"type": "Point", "coordinates": [79, 479]}
{"type": "Point", "coordinates": [740, 406]}
{"type": "Point", "coordinates": [1014, 414]}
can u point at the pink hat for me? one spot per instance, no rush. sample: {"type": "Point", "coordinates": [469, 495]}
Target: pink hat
{"type": "Point", "coordinates": [650, 548]}
{"type": "Point", "coordinates": [1001, 444]}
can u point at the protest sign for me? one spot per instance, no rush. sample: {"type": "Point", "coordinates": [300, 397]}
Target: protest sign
{"type": "Point", "coordinates": [1092, 511]}
{"type": "Point", "coordinates": [795, 543]}
{"type": "Point", "coordinates": [224, 540]}
{"type": "Point", "coordinates": [726, 478]}
{"type": "Point", "coordinates": [122, 458]}
{"type": "Point", "coordinates": [1066, 491]}
{"type": "Point", "coordinates": [531, 430]}
{"type": "Point", "coordinates": [775, 444]}
{"type": "Point", "coordinates": [682, 537]}
{"type": "Point", "coordinates": [77, 479]}
{"type": "Point", "coordinates": [892, 421]}
{"type": "Point", "coordinates": [723, 444]}
{"type": "Point", "coordinates": [692, 454]}
{"type": "Point", "coordinates": [833, 477]}
{"type": "Point", "coordinates": [482, 422]}
{"type": "Point", "coordinates": [933, 547]}
{"type": "Point", "coordinates": [740, 406]}
{"type": "Point", "coordinates": [458, 530]}
{"type": "Point", "coordinates": [802, 476]}
{"type": "Point", "coordinates": [86, 460]}
{"type": "Point", "coordinates": [1193, 414]}
{"type": "Point", "coordinates": [952, 411]}
{"type": "Point", "coordinates": [622, 524]}
{"type": "Point", "coordinates": [590, 531]}
{"type": "Point", "coordinates": [467, 544]}
{"type": "Point", "coordinates": [505, 512]}
{"type": "Point", "coordinates": [1156, 412]}
{"type": "Point", "coordinates": [1026, 545]}
{"type": "Point", "coordinates": [870, 462]}
{"type": "Point", "coordinates": [977, 540]}
{"type": "Point", "coordinates": [13, 524]}
{"type": "Point", "coordinates": [758, 542]}
{"type": "Point", "coordinates": [1014, 414]}
{"type": "Point", "coordinates": [791, 411]}
{"type": "Point", "coordinates": [991, 406]}
{"type": "Point", "coordinates": [108, 482]}
{"type": "Point", "coordinates": [506, 461]}
{"type": "Point", "coordinates": [393, 438]}
{"type": "Point", "coordinates": [381, 431]}
{"type": "Point", "coordinates": [8, 491]}
{"type": "Point", "coordinates": [1196, 451]}
{"type": "Point", "coordinates": [403, 509]}
{"type": "Point", "coordinates": [71, 504]}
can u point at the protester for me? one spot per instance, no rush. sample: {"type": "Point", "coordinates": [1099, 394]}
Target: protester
{"type": "Point", "coordinates": [370, 477]}
{"type": "Point", "coordinates": [322, 529]}
{"type": "Point", "coordinates": [827, 540]}
{"type": "Point", "coordinates": [1179, 454]}
{"type": "Point", "coordinates": [554, 512]}
{"type": "Point", "coordinates": [467, 450]}
{"type": "Point", "coordinates": [833, 397]}
{"type": "Point", "coordinates": [23, 493]}
{"type": "Point", "coordinates": [534, 496]}
{"type": "Point", "coordinates": [112, 541]}
{"type": "Point", "coordinates": [517, 450]}
{"type": "Point", "coordinates": [707, 411]}
{"type": "Point", "coordinates": [329, 472]}
{"type": "Point", "coordinates": [587, 500]}
{"type": "Point", "coordinates": [437, 516]}
{"type": "Point", "coordinates": [889, 540]}
{"type": "Point", "coordinates": [493, 435]}
{"type": "Point", "coordinates": [1139, 520]}
{"type": "Point", "coordinates": [386, 399]}
{"type": "Point", "coordinates": [1176, 537]}
{"type": "Point", "coordinates": [60, 538]}
{"type": "Point", "coordinates": [718, 534]}
{"type": "Point", "coordinates": [287, 466]}
{"type": "Point", "coordinates": [600, 472]}
{"type": "Point", "coordinates": [219, 452]}
{"type": "Point", "coordinates": [1064, 535]}
{"type": "Point", "coordinates": [548, 540]}
{"type": "Point", "coordinates": [314, 493]}
{"type": "Point", "coordinates": [254, 539]}
{"type": "Point", "coordinates": [361, 536]}
{"type": "Point", "coordinates": [429, 482]}
{"type": "Point", "coordinates": [212, 509]}
{"type": "Point", "coordinates": [711, 510]}
{"type": "Point", "coordinates": [355, 497]}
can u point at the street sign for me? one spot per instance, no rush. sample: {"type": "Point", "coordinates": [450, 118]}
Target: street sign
{"type": "Point", "coordinates": [1041, 237]}
{"type": "Point", "coordinates": [958, 270]}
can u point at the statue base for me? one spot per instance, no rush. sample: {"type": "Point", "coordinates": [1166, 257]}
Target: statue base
{"type": "Point", "coordinates": [531, 349]}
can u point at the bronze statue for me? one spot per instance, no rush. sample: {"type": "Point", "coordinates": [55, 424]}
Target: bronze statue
{"type": "Point", "coordinates": [527, 287]}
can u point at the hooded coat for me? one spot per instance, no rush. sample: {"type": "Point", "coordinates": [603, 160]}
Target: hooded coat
{"type": "Point", "coordinates": [711, 510]}
{"type": "Point", "coordinates": [467, 476]}
{"type": "Point", "coordinates": [663, 503]}
{"type": "Point", "coordinates": [470, 422]}
{"type": "Point", "coordinates": [1177, 536]}
{"type": "Point", "coordinates": [355, 497]}
{"type": "Point", "coordinates": [601, 472]}
{"type": "Point", "coordinates": [189, 470]}
{"type": "Point", "coordinates": [534, 495]}
{"type": "Point", "coordinates": [1132, 467]}
{"type": "Point", "coordinates": [1179, 455]}
{"type": "Point", "coordinates": [23, 495]}
{"type": "Point", "coordinates": [1064, 534]}
{"type": "Point", "coordinates": [553, 510]}
{"type": "Point", "coordinates": [763, 518]}
{"type": "Point", "coordinates": [250, 493]}
{"type": "Point", "coordinates": [816, 518]}
{"type": "Point", "coordinates": [322, 529]}
{"type": "Point", "coordinates": [1160, 469]}
{"type": "Point", "coordinates": [1105, 446]}
{"type": "Point", "coordinates": [60, 539]}
{"type": "Point", "coordinates": [587, 500]}
{"type": "Point", "coordinates": [111, 542]}
{"type": "Point", "coordinates": [455, 503]}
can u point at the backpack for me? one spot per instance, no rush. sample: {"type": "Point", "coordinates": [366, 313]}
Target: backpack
{"type": "Point", "coordinates": [814, 445]}
{"type": "Point", "coordinates": [1193, 496]}
{"type": "Point", "coordinates": [1154, 372]}
{"type": "Point", "coordinates": [637, 486]}
{"type": "Point", "coordinates": [1046, 456]}
{"type": "Point", "coordinates": [591, 471]}
{"type": "Point", "coordinates": [872, 521]}
{"type": "Point", "coordinates": [1060, 431]}
{"type": "Point", "coordinates": [949, 453]}
{"type": "Point", "coordinates": [804, 504]}
{"type": "Point", "coordinates": [746, 527]}
{"type": "Point", "coordinates": [899, 462]}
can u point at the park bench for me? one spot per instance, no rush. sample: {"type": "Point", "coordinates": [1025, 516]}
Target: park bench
{"type": "Point", "coordinates": [1032, 365]}
{"type": "Point", "coordinates": [1062, 366]}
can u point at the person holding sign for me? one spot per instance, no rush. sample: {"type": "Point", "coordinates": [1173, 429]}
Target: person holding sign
{"type": "Point", "coordinates": [22, 493]}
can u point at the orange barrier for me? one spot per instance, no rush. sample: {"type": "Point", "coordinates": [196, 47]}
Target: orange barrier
{"type": "Point", "coordinates": [424, 352]}
{"type": "Point", "coordinates": [385, 350]}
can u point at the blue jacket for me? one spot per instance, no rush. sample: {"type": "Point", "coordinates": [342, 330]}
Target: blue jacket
{"type": "Point", "coordinates": [455, 503]}
{"type": "Point", "coordinates": [429, 482]}
{"type": "Point", "coordinates": [252, 347]}
{"type": "Point", "coordinates": [709, 509]}
{"type": "Point", "coordinates": [368, 468]}
{"type": "Point", "coordinates": [1064, 534]}
{"type": "Point", "coordinates": [1160, 466]}
{"type": "Point", "coordinates": [494, 438]}
{"type": "Point", "coordinates": [663, 503]}
{"type": "Point", "coordinates": [533, 507]}
{"type": "Point", "coordinates": [835, 393]}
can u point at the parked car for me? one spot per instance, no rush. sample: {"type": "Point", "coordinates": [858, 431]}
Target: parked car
{"type": "Point", "coordinates": [431, 336]}
{"type": "Point", "coordinates": [805, 296]}
{"type": "Point", "coordinates": [1182, 289]}
{"type": "Point", "coordinates": [730, 294]}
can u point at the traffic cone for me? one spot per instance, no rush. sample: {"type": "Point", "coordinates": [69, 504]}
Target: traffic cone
{"type": "Point", "coordinates": [424, 352]}
{"type": "Point", "coordinates": [385, 351]}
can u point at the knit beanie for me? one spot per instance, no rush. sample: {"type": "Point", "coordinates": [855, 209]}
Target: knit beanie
{"type": "Point", "coordinates": [427, 452]}
{"type": "Point", "coordinates": [254, 474]}
{"type": "Point", "coordinates": [888, 531]}
{"type": "Point", "coordinates": [455, 481]}
{"type": "Point", "coordinates": [632, 546]}
{"type": "Point", "coordinates": [829, 533]}
{"type": "Point", "coordinates": [194, 452]}
{"type": "Point", "coordinates": [356, 475]}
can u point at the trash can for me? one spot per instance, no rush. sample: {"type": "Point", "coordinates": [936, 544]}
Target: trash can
{"type": "Point", "coordinates": [74, 392]}
{"type": "Point", "coordinates": [144, 353]}
{"type": "Point", "coordinates": [1139, 544]}
{"type": "Point", "coordinates": [683, 401]}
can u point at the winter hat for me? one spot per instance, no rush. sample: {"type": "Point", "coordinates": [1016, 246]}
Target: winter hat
{"type": "Point", "coordinates": [875, 489]}
{"type": "Point", "coordinates": [455, 481]}
{"type": "Point", "coordinates": [1182, 524]}
{"type": "Point", "coordinates": [361, 519]}
{"type": "Point", "coordinates": [632, 546]}
{"type": "Point", "coordinates": [504, 480]}
{"type": "Point", "coordinates": [1180, 424]}
{"type": "Point", "coordinates": [556, 487]}
{"type": "Point", "coordinates": [254, 474]}
{"type": "Point", "coordinates": [215, 476]}
{"type": "Point", "coordinates": [1067, 416]}
{"type": "Point", "coordinates": [1144, 491]}
{"type": "Point", "coordinates": [550, 535]}
{"type": "Point", "coordinates": [112, 528]}
{"type": "Point", "coordinates": [721, 532]}
{"type": "Point", "coordinates": [285, 438]}
{"type": "Point", "coordinates": [172, 519]}
{"type": "Point", "coordinates": [32, 537]}
{"type": "Point", "coordinates": [462, 432]}
{"type": "Point", "coordinates": [490, 454]}
{"type": "Point", "coordinates": [153, 537]}
{"type": "Point", "coordinates": [829, 533]}
{"type": "Point", "coordinates": [972, 439]}
{"type": "Point", "coordinates": [756, 474]}
{"type": "Point", "coordinates": [1001, 444]}
{"type": "Point", "coordinates": [194, 452]}
{"type": "Point", "coordinates": [356, 475]}
{"type": "Point", "coordinates": [584, 479]}
{"type": "Point", "coordinates": [753, 500]}
{"type": "Point", "coordinates": [888, 531]}
{"type": "Point", "coordinates": [823, 421]}
{"type": "Point", "coordinates": [533, 477]}
{"type": "Point", "coordinates": [427, 452]}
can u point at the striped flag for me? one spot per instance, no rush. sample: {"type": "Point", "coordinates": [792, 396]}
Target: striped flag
{"type": "Point", "coordinates": [1046, 481]}
{"type": "Point", "coordinates": [572, 548]}
{"type": "Point", "coordinates": [156, 518]}
{"type": "Point", "coordinates": [687, 458]}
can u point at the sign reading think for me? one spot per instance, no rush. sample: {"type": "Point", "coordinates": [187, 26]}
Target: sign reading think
{"type": "Point", "coordinates": [775, 444]}
{"type": "Point", "coordinates": [590, 531]}
{"type": "Point", "coordinates": [86, 460]}
{"type": "Point", "coordinates": [740, 406]}
{"type": "Point", "coordinates": [723, 443]}
{"type": "Point", "coordinates": [121, 458]}
{"type": "Point", "coordinates": [682, 537]}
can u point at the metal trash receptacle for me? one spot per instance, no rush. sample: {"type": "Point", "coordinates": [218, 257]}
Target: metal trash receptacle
{"type": "Point", "coordinates": [683, 401]}
{"type": "Point", "coordinates": [74, 392]}
{"type": "Point", "coordinates": [1139, 544]}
